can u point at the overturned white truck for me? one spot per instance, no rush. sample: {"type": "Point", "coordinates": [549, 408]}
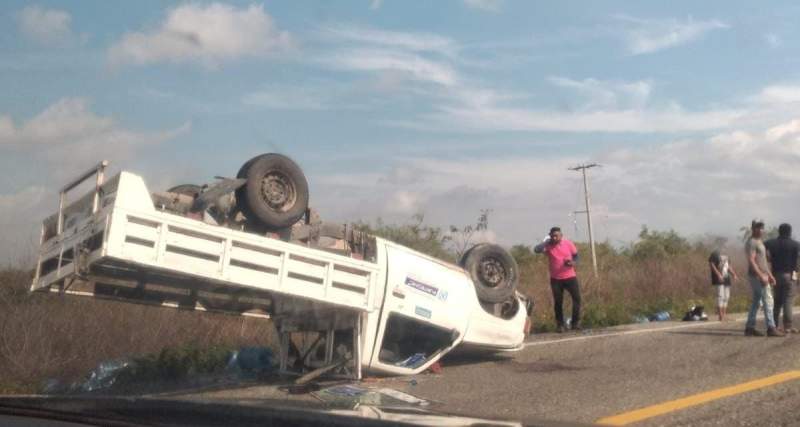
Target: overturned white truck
{"type": "Point", "coordinates": [339, 298]}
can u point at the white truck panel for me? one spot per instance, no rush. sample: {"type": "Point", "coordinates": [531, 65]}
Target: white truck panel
{"type": "Point", "coordinates": [141, 236]}
{"type": "Point", "coordinates": [489, 332]}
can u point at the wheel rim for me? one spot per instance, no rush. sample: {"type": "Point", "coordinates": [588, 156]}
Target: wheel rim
{"type": "Point", "coordinates": [278, 191]}
{"type": "Point", "coordinates": [492, 271]}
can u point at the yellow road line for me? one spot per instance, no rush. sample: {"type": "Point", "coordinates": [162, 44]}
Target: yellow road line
{"type": "Point", "coordinates": [697, 399]}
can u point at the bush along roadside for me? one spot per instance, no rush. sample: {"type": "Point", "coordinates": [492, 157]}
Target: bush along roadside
{"type": "Point", "coordinates": [175, 364]}
{"type": "Point", "coordinates": [172, 366]}
{"type": "Point", "coordinates": [599, 315]}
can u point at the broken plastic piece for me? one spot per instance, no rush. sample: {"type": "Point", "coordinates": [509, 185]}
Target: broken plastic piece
{"type": "Point", "coordinates": [104, 375]}
{"type": "Point", "coordinates": [413, 361]}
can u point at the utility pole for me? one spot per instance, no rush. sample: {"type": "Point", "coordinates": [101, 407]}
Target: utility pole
{"type": "Point", "coordinates": [588, 210]}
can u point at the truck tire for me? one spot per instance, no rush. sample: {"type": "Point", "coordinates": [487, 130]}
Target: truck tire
{"type": "Point", "coordinates": [493, 271]}
{"type": "Point", "coordinates": [276, 191]}
{"type": "Point", "coordinates": [186, 189]}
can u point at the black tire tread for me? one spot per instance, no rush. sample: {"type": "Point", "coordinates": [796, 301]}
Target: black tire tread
{"type": "Point", "coordinates": [254, 209]}
{"type": "Point", "coordinates": [470, 261]}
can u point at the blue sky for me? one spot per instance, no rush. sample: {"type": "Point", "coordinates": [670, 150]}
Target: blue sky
{"type": "Point", "coordinates": [396, 107]}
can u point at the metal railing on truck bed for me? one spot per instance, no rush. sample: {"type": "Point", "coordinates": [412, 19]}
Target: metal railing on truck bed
{"type": "Point", "coordinates": [114, 243]}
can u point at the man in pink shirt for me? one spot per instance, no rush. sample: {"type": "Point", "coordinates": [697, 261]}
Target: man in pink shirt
{"type": "Point", "coordinates": [562, 255]}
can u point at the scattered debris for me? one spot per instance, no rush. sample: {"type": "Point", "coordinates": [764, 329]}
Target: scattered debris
{"type": "Point", "coordinates": [403, 397]}
{"type": "Point", "coordinates": [350, 395]}
{"type": "Point", "coordinates": [661, 316]}
{"type": "Point", "coordinates": [251, 361]}
{"type": "Point", "coordinates": [52, 386]}
{"type": "Point", "coordinates": [301, 388]}
{"type": "Point", "coordinates": [247, 362]}
{"type": "Point", "coordinates": [413, 361]}
{"type": "Point", "coordinates": [103, 376]}
{"type": "Point", "coordinates": [695, 313]}
{"type": "Point", "coordinates": [436, 368]}
{"type": "Point", "coordinates": [316, 373]}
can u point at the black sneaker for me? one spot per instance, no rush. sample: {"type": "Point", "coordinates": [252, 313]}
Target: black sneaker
{"type": "Point", "coordinates": [752, 332]}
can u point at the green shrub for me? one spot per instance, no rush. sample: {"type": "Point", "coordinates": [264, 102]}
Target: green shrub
{"type": "Point", "coordinates": [175, 363]}
{"type": "Point", "coordinates": [415, 235]}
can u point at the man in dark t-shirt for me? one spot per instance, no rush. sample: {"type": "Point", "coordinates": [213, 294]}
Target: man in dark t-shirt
{"type": "Point", "coordinates": [783, 254]}
{"type": "Point", "coordinates": [722, 273]}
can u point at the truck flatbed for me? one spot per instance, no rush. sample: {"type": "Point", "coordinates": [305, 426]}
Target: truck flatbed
{"type": "Point", "coordinates": [130, 250]}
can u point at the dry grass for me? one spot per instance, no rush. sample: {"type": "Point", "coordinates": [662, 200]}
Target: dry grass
{"type": "Point", "coordinates": [626, 287]}
{"type": "Point", "coordinates": [46, 336]}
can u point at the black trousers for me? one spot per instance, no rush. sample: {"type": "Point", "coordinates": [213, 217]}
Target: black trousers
{"type": "Point", "coordinates": [558, 286]}
{"type": "Point", "coordinates": [784, 299]}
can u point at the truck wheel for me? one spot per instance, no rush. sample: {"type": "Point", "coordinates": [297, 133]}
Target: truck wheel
{"type": "Point", "coordinates": [493, 271]}
{"type": "Point", "coordinates": [276, 192]}
{"type": "Point", "coordinates": [191, 190]}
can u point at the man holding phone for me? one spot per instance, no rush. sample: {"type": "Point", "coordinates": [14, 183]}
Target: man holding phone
{"type": "Point", "coordinates": [562, 255]}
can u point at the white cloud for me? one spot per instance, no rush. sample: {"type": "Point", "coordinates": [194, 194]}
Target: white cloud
{"type": "Point", "coordinates": [779, 94]}
{"type": "Point", "coordinates": [288, 98]}
{"type": "Point", "coordinates": [665, 120]}
{"type": "Point", "coordinates": [24, 198]}
{"type": "Point", "coordinates": [375, 4]}
{"type": "Point", "coordinates": [19, 213]}
{"type": "Point", "coordinates": [415, 67]}
{"type": "Point", "coordinates": [59, 142]}
{"type": "Point", "coordinates": [46, 26]}
{"type": "Point", "coordinates": [408, 41]}
{"type": "Point", "coordinates": [773, 40]}
{"type": "Point", "coordinates": [487, 5]}
{"type": "Point", "coordinates": [393, 57]}
{"type": "Point", "coordinates": [208, 34]}
{"type": "Point", "coordinates": [605, 94]}
{"type": "Point", "coordinates": [729, 178]}
{"type": "Point", "coordinates": [784, 131]}
{"type": "Point", "coordinates": [461, 103]}
{"type": "Point", "coordinates": [68, 134]}
{"type": "Point", "coordinates": [644, 36]}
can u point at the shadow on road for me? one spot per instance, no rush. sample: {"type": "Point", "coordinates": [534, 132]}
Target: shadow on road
{"type": "Point", "coordinates": [466, 358]}
{"type": "Point", "coordinates": [711, 332]}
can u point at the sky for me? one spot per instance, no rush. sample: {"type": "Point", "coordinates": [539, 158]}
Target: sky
{"type": "Point", "coordinates": [395, 108]}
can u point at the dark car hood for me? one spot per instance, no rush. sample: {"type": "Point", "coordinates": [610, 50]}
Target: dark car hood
{"type": "Point", "coordinates": [143, 411]}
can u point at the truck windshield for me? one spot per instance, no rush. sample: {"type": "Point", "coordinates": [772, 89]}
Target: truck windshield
{"type": "Point", "coordinates": [409, 342]}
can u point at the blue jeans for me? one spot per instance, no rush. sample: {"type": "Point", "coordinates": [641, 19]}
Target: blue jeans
{"type": "Point", "coordinates": [763, 294]}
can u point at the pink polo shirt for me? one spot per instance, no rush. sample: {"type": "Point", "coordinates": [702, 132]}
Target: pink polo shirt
{"type": "Point", "coordinates": [557, 254]}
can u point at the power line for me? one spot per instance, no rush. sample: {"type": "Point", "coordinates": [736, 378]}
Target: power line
{"type": "Point", "coordinates": [582, 168]}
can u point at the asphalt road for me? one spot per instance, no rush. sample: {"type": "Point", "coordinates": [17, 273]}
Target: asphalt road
{"type": "Point", "coordinates": [590, 376]}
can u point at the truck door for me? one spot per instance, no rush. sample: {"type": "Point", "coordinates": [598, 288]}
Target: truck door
{"type": "Point", "coordinates": [425, 311]}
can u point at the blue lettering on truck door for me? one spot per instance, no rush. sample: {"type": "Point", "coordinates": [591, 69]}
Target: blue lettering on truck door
{"type": "Point", "coordinates": [426, 289]}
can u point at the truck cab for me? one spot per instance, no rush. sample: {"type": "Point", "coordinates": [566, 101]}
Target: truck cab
{"type": "Point", "coordinates": [429, 307]}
